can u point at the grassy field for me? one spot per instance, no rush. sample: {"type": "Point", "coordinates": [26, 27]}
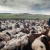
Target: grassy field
{"type": "Point", "coordinates": [23, 16]}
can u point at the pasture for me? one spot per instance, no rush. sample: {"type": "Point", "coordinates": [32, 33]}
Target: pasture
{"type": "Point", "coordinates": [23, 16]}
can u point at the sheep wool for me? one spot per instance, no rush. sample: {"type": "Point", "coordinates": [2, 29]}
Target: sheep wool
{"type": "Point", "coordinates": [38, 45]}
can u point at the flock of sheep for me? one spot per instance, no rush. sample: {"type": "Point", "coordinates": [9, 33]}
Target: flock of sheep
{"type": "Point", "coordinates": [24, 35]}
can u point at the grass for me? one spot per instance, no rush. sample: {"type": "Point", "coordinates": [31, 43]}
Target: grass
{"type": "Point", "coordinates": [23, 16]}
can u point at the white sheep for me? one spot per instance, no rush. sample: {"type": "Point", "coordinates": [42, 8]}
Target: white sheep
{"type": "Point", "coordinates": [12, 32]}
{"type": "Point", "coordinates": [16, 42]}
{"type": "Point", "coordinates": [24, 41]}
{"type": "Point", "coordinates": [19, 35]}
{"type": "Point", "coordinates": [12, 44]}
{"type": "Point", "coordinates": [4, 36]}
{"type": "Point", "coordinates": [38, 44]}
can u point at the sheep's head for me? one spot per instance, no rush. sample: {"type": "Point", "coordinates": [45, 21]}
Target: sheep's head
{"type": "Point", "coordinates": [42, 36]}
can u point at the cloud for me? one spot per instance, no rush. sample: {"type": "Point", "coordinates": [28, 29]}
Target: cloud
{"type": "Point", "coordinates": [4, 9]}
{"type": "Point", "coordinates": [27, 6]}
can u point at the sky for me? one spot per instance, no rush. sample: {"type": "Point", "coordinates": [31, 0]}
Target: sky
{"type": "Point", "coordinates": [25, 6]}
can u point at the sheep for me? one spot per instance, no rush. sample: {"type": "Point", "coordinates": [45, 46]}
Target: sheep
{"type": "Point", "coordinates": [12, 44]}
{"type": "Point", "coordinates": [12, 32]}
{"type": "Point", "coordinates": [46, 41]}
{"type": "Point", "coordinates": [25, 31]}
{"type": "Point", "coordinates": [21, 26]}
{"type": "Point", "coordinates": [24, 41]}
{"type": "Point", "coordinates": [9, 27]}
{"type": "Point", "coordinates": [38, 44]}
{"type": "Point", "coordinates": [13, 25]}
{"type": "Point", "coordinates": [2, 27]}
{"type": "Point", "coordinates": [19, 35]}
{"type": "Point", "coordinates": [4, 36]}
{"type": "Point", "coordinates": [39, 29]}
{"type": "Point", "coordinates": [2, 44]}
